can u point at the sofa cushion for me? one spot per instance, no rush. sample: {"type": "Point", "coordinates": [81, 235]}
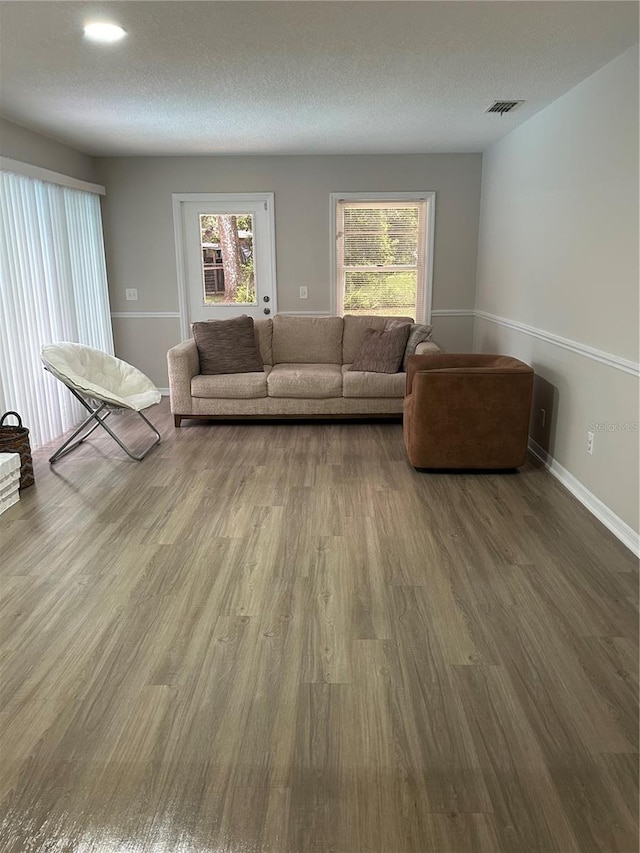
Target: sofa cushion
{"type": "Point", "coordinates": [382, 351]}
{"type": "Point", "coordinates": [305, 380]}
{"type": "Point", "coordinates": [418, 334]}
{"type": "Point", "coordinates": [231, 386]}
{"type": "Point", "coordinates": [307, 340]}
{"type": "Point", "coordinates": [227, 346]}
{"type": "Point", "coordinates": [263, 330]}
{"type": "Point", "coordinates": [355, 330]}
{"type": "Point", "coordinates": [362, 383]}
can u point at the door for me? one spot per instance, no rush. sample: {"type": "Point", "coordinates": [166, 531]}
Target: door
{"type": "Point", "coordinates": [225, 246]}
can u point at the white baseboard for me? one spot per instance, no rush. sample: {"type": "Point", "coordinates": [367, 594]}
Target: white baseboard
{"type": "Point", "coordinates": [614, 523]}
{"type": "Point", "coordinates": [164, 391]}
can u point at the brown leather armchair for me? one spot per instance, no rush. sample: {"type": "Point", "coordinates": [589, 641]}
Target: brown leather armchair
{"type": "Point", "coordinates": [467, 410]}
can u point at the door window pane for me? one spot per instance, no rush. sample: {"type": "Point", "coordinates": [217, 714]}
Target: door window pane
{"type": "Point", "coordinates": [228, 276]}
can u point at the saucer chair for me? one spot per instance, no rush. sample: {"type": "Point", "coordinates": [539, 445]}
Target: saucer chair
{"type": "Point", "coordinates": [103, 384]}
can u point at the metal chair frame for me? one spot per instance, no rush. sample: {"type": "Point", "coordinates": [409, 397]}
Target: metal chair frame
{"type": "Point", "coordinates": [96, 414]}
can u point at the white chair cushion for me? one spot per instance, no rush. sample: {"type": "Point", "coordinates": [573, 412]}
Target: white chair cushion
{"type": "Point", "coordinates": [101, 376]}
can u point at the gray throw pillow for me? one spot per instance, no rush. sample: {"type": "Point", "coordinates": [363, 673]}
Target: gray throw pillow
{"type": "Point", "coordinates": [417, 335]}
{"type": "Point", "coordinates": [382, 351]}
{"type": "Point", "coordinates": [227, 346]}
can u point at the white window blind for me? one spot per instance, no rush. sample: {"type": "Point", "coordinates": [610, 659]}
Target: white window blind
{"type": "Point", "coordinates": [53, 287]}
{"type": "Point", "coordinates": [380, 257]}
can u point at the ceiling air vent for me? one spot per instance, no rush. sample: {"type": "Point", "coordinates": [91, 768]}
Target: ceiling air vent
{"type": "Point", "coordinates": [503, 107]}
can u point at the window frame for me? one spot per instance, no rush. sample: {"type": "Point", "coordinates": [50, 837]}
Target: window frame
{"type": "Point", "coordinates": [429, 197]}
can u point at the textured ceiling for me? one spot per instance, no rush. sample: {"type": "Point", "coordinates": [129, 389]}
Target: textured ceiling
{"type": "Point", "coordinates": [297, 77]}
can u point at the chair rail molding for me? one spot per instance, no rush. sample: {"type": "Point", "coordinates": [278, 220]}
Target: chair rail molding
{"type": "Point", "coordinates": [611, 360]}
{"type": "Point", "coordinates": [452, 312]}
{"type": "Point", "coordinates": [144, 315]}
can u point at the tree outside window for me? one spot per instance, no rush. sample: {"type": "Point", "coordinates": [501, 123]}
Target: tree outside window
{"type": "Point", "coordinates": [227, 259]}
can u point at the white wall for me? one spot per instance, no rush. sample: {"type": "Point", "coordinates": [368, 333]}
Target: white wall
{"type": "Point", "coordinates": [21, 144]}
{"type": "Point", "coordinates": [558, 252]}
{"type": "Point", "coordinates": [140, 246]}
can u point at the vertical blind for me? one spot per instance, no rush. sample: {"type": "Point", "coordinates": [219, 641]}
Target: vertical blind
{"type": "Point", "coordinates": [53, 287]}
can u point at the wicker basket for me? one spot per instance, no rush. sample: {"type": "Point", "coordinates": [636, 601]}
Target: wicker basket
{"type": "Point", "coordinates": [15, 439]}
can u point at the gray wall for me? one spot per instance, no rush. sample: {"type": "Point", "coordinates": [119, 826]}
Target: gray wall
{"type": "Point", "coordinates": [140, 248]}
{"type": "Point", "coordinates": [21, 144]}
{"type": "Point", "coordinates": [558, 251]}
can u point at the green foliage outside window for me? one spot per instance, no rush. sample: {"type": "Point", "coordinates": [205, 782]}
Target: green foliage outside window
{"type": "Point", "coordinates": [380, 293]}
{"type": "Point", "coordinates": [380, 237]}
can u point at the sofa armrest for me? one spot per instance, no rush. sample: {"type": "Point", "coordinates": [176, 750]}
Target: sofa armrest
{"type": "Point", "coordinates": [184, 364]}
{"type": "Point", "coordinates": [427, 347]}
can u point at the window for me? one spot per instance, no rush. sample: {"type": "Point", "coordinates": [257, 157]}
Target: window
{"type": "Point", "coordinates": [383, 254]}
{"type": "Point", "coordinates": [227, 259]}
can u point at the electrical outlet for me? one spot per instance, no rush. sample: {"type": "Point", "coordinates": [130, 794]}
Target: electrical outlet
{"type": "Point", "coordinates": [590, 438]}
{"type": "Point", "coordinates": [131, 294]}
{"type": "Point", "coordinates": [304, 293]}
{"type": "Point", "coordinates": [543, 417]}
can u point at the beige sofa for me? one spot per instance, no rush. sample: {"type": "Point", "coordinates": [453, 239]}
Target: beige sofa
{"type": "Point", "coordinates": [306, 374]}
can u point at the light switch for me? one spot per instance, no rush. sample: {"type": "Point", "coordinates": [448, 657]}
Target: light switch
{"type": "Point", "coordinates": [131, 294]}
{"type": "Point", "coordinates": [304, 293]}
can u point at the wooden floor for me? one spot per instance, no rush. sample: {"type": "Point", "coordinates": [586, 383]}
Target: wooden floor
{"type": "Point", "coordinates": [281, 638]}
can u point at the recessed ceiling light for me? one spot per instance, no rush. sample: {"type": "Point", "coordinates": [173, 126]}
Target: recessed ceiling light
{"type": "Point", "coordinates": [101, 31]}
